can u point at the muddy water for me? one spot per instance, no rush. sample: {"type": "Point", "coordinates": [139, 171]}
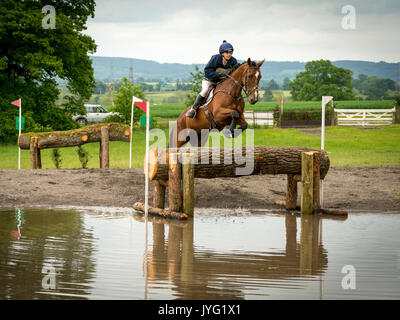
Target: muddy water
{"type": "Point", "coordinates": [87, 253]}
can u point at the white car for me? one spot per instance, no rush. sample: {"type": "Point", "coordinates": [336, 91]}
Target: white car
{"type": "Point", "coordinates": [95, 113]}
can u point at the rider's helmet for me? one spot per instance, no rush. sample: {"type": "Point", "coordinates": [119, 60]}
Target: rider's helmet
{"type": "Point", "coordinates": [225, 47]}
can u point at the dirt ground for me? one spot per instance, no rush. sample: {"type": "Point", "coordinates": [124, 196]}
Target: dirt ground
{"type": "Point", "coordinates": [346, 188]}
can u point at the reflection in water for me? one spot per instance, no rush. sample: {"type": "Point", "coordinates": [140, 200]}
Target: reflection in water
{"type": "Point", "coordinates": [206, 274]}
{"type": "Point", "coordinates": [217, 255]}
{"type": "Point", "coordinates": [56, 239]}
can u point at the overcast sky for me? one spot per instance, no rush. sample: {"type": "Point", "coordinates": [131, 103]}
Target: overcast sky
{"type": "Point", "coordinates": [185, 31]}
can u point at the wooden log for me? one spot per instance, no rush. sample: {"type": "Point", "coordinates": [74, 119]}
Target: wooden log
{"type": "Point", "coordinates": [174, 183]}
{"type": "Point", "coordinates": [307, 183]}
{"type": "Point", "coordinates": [316, 180]}
{"type": "Point", "coordinates": [139, 206]}
{"type": "Point", "coordinates": [255, 160]}
{"type": "Point", "coordinates": [188, 183]}
{"type": "Point", "coordinates": [159, 194]}
{"type": "Point", "coordinates": [291, 192]}
{"type": "Point", "coordinates": [104, 153]}
{"type": "Point", "coordinates": [77, 137]}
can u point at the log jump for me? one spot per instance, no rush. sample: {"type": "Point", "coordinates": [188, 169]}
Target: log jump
{"type": "Point", "coordinates": [177, 168]}
{"type": "Point", "coordinates": [103, 133]}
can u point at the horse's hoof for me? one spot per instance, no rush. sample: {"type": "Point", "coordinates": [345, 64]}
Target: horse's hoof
{"type": "Point", "coordinates": [227, 133]}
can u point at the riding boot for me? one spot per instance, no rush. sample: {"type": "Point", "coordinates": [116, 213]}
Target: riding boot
{"type": "Point", "coordinates": [192, 112]}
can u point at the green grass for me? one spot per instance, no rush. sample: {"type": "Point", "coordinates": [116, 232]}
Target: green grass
{"type": "Point", "coordinates": [346, 146]}
{"type": "Point", "coordinates": [173, 110]}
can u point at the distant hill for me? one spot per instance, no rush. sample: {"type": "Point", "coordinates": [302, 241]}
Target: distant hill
{"type": "Point", "coordinates": [117, 68]}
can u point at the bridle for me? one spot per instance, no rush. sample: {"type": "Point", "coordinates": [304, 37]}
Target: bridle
{"type": "Point", "coordinates": [242, 87]}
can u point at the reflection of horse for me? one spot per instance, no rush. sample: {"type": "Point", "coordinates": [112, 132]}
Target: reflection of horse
{"type": "Point", "coordinates": [226, 107]}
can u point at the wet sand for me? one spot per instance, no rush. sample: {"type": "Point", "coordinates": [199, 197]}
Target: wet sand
{"type": "Point", "coordinates": [369, 189]}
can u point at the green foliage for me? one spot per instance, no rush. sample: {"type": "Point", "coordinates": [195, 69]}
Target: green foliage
{"type": "Point", "coordinates": [375, 88]}
{"type": "Point", "coordinates": [83, 156]}
{"type": "Point", "coordinates": [267, 96]}
{"type": "Point", "coordinates": [123, 101]}
{"type": "Point", "coordinates": [31, 57]}
{"type": "Point", "coordinates": [56, 157]}
{"type": "Point", "coordinates": [197, 76]}
{"type": "Point", "coordinates": [322, 78]}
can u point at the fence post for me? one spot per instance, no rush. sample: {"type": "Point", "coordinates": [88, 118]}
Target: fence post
{"type": "Point", "coordinates": [307, 182]}
{"type": "Point", "coordinates": [104, 148]}
{"type": "Point", "coordinates": [188, 183]}
{"type": "Point", "coordinates": [396, 115]}
{"type": "Point", "coordinates": [174, 183]}
{"type": "Point", "coordinates": [159, 194]}
{"type": "Point", "coordinates": [291, 192]}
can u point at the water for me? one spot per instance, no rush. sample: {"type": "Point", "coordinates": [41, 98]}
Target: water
{"type": "Point", "coordinates": [98, 253]}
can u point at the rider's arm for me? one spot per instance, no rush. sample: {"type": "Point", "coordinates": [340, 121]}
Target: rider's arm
{"type": "Point", "coordinates": [210, 69]}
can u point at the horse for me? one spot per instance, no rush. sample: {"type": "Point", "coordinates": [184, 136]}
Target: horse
{"type": "Point", "coordinates": [226, 107]}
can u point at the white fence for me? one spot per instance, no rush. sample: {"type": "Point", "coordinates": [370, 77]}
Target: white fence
{"type": "Point", "coordinates": [364, 117]}
{"type": "Point", "coordinates": [258, 117]}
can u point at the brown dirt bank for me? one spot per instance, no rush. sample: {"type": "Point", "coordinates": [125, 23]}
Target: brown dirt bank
{"type": "Point", "coordinates": [347, 188]}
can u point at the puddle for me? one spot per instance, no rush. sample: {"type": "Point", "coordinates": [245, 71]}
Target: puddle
{"type": "Point", "coordinates": [112, 253]}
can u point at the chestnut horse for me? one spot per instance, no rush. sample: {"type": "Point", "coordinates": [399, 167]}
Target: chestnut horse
{"type": "Point", "coordinates": [225, 108]}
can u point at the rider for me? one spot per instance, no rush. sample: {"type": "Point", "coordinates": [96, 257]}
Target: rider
{"type": "Point", "coordinates": [215, 70]}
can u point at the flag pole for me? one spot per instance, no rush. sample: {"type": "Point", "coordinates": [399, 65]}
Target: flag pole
{"type": "Point", "coordinates": [146, 204]}
{"type": "Point", "coordinates": [130, 142]}
{"type": "Point", "coordinates": [20, 120]}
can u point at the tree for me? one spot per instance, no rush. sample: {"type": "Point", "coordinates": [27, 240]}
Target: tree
{"type": "Point", "coordinates": [322, 78]}
{"type": "Point", "coordinates": [273, 85]}
{"type": "Point", "coordinates": [123, 100]}
{"type": "Point", "coordinates": [267, 96]}
{"type": "Point", "coordinates": [195, 82]}
{"type": "Point", "coordinates": [285, 84]}
{"type": "Point", "coordinates": [32, 56]}
{"type": "Point", "coordinates": [373, 87]}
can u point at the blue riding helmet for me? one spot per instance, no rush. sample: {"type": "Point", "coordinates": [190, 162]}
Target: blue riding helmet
{"type": "Point", "coordinates": [225, 46]}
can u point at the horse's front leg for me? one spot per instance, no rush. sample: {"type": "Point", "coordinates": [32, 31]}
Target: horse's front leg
{"type": "Point", "coordinates": [242, 122]}
{"type": "Point", "coordinates": [235, 120]}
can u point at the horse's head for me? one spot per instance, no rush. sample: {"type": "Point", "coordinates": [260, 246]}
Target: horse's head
{"type": "Point", "coordinates": [251, 78]}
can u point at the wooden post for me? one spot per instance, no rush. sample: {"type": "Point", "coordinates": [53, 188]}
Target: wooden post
{"type": "Point", "coordinates": [104, 148]}
{"type": "Point", "coordinates": [159, 194]}
{"type": "Point", "coordinates": [396, 115]}
{"type": "Point", "coordinates": [174, 183]}
{"type": "Point", "coordinates": [33, 152]}
{"type": "Point", "coordinates": [316, 182]}
{"type": "Point", "coordinates": [307, 182]}
{"type": "Point", "coordinates": [291, 192]}
{"type": "Point", "coordinates": [188, 183]}
{"type": "Point", "coordinates": [39, 157]}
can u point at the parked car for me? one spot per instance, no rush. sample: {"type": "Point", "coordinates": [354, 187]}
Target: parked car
{"type": "Point", "coordinates": [95, 113]}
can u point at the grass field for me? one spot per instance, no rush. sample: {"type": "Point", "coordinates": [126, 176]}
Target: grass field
{"type": "Point", "coordinates": [173, 110]}
{"type": "Point", "coordinates": [345, 146]}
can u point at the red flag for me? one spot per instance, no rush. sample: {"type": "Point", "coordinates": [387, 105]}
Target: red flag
{"type": "Point", "coordinates": [142, 105]}
{"type": "Point", "coordinates": [17, 103]}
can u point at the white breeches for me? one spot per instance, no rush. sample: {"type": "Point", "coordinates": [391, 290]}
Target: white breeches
{"type": "Point", "coordinates": [205, 84]}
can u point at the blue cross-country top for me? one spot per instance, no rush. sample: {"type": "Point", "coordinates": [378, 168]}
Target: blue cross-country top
{"type": "Point", "coordinates": [215, 65]}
